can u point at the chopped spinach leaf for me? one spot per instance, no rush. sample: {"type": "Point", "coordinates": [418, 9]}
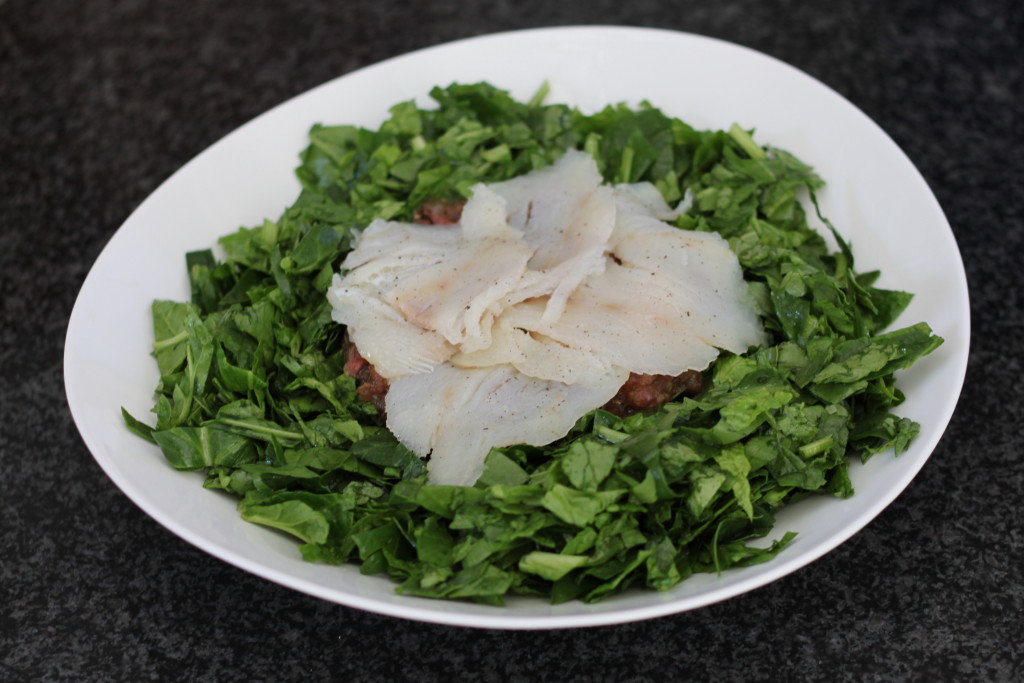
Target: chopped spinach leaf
{"type": "Point", "coordinates": [253, 390]}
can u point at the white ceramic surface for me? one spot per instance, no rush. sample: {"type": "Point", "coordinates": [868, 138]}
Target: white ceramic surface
{"type": "Point", "coordinates": [875, 197]}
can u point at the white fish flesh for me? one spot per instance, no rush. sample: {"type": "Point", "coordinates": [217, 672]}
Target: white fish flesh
{"type": "Point", "coordinates": [534, 310]}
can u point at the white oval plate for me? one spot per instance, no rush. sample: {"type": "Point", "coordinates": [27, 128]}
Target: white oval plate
{"type": "Point", "coordinates": [874, 195]}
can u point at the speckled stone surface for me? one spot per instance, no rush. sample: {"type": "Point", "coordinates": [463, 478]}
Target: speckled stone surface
{"type": "Point", "coordinates": [101, 100]}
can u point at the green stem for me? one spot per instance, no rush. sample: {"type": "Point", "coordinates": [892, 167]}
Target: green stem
{"type": "Point", "coordinates": [259, 429]}
{"type": "Point", "coordinates": [170, 341]}
{"type": "Point", "coordinates": [744, 140]}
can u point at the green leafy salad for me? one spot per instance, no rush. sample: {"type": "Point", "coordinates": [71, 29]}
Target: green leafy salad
{"type": "Point", "coordinates": [253, 393]}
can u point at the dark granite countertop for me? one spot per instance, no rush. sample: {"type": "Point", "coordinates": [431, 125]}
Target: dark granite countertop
{"type": "Point", "coordinates": [101, 100]}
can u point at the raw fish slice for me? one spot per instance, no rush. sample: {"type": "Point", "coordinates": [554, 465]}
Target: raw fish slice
{"type": "Point", "coordinates": [390, 343]}
{"type": "Point", "coordinates": [387, 245]}
{"type": "Point", "coordinates": [485, 216]}
{"type": "Point", "coordinates": [533, 354]}
{"type": "Point", "coordinates": [557, 283]}
{"type": "Point", "coordinates": [456, 415]}
{"type": "Point", "coordinates": [647, 197]}
{"type": "Point", "coordinates": [562, 210]}
{"type": "Point", "coordinates": [438, 280]}
{"type": "Point", "coordinates": [646, 334]}
{"type": "Point", "coordinates": [460, 295]}
{"type": "Point", "coordinates": [696, 267]}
